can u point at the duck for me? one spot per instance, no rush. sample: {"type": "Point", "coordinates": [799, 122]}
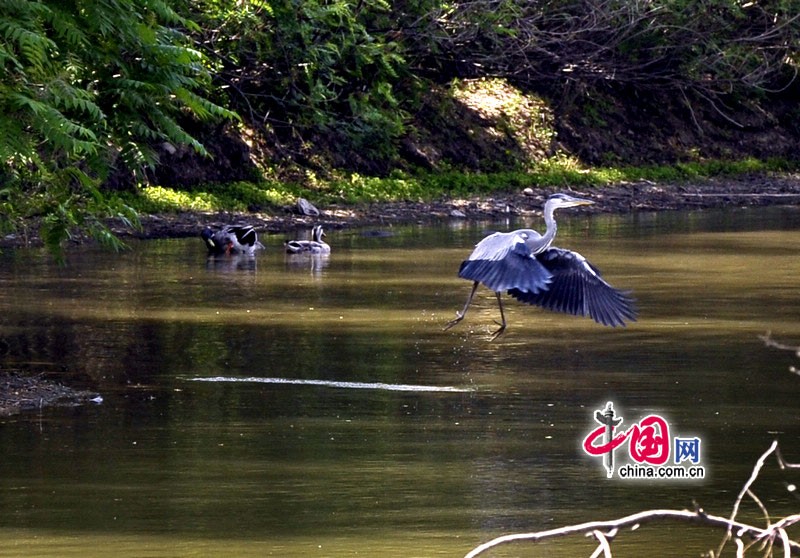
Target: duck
{"type": "Point", "coordinates": [232, 239]}
{"type": "Point", "coordinates": [314, 246]}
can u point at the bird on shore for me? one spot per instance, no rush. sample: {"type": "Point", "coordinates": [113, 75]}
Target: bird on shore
{"type": "Point", "coordinates": [525, 265]}
{"type": "Point", "coordinates": [314, 246]}
{"type": "Point", "coordinates": [231, 239]}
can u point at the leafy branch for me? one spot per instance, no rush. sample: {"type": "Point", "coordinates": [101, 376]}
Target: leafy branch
{"type": "Point", "coordinates": [88, 88]}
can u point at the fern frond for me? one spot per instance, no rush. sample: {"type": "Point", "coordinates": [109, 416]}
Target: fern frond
{"type": "Point", "coordinates": [9, 58]}
{"type": "Point", "coordinates": [65, 134]}
{"type": "Point", "coordinates": [202, 107]}
{"type": "Point", "coordinates": [166, 14]}
{"type": "Point", "coordinates": [34, 47]}
{"type": "Point", "coordinates": [82, 86]}
{"type": "Point", "coordinates": [67, 28]}
{"type": "Point", "coordinates": [75, 99]}
{"type": "Point", "coordinates": [174, 132]}
{"type": "Point", "coordinates": [143, 131]}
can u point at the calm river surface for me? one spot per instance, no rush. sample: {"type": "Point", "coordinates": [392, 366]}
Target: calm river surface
{"type": "Point", "coordinates": [298, 407]}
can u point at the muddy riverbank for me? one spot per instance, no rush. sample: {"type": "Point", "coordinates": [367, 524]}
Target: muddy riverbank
{"type": "Point", "coordinates": [622, 198]}
{"type": "Point", "coordinates": [27, 393]}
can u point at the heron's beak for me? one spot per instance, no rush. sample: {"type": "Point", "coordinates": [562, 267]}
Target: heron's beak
{"type": "Point", "coordinates": [575, 202]}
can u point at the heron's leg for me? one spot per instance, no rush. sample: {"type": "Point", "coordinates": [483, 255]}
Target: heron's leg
{"type": "Point", "coordinates": [460, 315]}
{"type": "Point", "coordinates": [502, 322]}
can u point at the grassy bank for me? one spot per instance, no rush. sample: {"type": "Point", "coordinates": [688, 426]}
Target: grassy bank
{"type": "Point", "coordinates": [353, 188]}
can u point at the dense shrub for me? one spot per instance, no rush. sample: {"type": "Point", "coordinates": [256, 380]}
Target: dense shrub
{"type": "Point", "coordinates": [319, 70]}
{"type": "Point", "coordinates": [86, 86]}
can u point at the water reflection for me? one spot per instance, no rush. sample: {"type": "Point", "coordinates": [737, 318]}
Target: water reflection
{"type": "Point", "coordinates": [315, 264]}
{"type": "Point", "coordinates": [296, 466]}
{"type": "Point", "coordinates": [232, 263]}
{"type": "Point", "coordinates": [334, 384]}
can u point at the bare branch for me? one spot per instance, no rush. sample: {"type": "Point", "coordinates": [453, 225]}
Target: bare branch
{"type": "Point", "coordinates": [769, 342]}
{"type": "Point", "coordinates": [707, 50]}
{"type": "Point", "coordinates": [745, 489]}
{"type": "Point", "coordinates": [602, 531]}
{"type": "Point", "coordinates": [633, 520]}
{"type": "Point", "coordinates": [782, 463]}
{"type": "Point", "coordinates": [603, 546]}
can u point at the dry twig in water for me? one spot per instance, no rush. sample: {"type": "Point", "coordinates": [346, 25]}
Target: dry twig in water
{"type": "Point", "coordinates": [770, 342]}
{"type": "Point", "coordinates": [605, 531]}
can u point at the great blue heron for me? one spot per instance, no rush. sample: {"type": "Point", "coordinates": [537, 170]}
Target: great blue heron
{"type": "Point", "coordinates": [524, 264]}
{"type": "Point", "coordinates": [314, 246]}
{"type": "Point", "coordinates": [231, 239]}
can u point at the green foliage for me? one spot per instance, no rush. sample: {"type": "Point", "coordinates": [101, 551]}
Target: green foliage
{"type": "Point", "coordinates": [87, 86]}
{"type": "Point", "coordinates": [331, 83]}
{"type": "Point", "coordinates": [237, 196]}
{"type": "Point", "coordinates": [316, 68]}
{"type": "Point", "coordinates": [354, 188]}
{"type": "Point", "coordinates": [90, 87]}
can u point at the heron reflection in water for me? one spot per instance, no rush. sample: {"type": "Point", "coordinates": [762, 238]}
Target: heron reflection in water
{"type": "Point", "coordinates": [525, 265]}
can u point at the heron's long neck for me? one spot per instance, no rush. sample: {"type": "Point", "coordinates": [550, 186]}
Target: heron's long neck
{"type": "Point", "coordinates": [550, 233]}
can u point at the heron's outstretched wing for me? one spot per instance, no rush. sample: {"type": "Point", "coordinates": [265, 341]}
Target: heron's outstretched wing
{"type": "Point", "coordinates": [503, 261]}
{"type": "Point", "coordinates": [577, 288]}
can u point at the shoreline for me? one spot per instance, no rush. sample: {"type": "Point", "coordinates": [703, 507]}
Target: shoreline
{"type": "Point", "coordinates": [622, 198]}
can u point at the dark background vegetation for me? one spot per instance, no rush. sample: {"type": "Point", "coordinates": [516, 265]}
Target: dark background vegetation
{"type": "Point", "coordinates": [100, 98]}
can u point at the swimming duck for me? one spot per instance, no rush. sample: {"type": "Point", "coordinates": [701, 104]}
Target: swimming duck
{"type": "Point", "coordinates": [314, 246]}
{"type": "Point", "coordinates": [232, 239]}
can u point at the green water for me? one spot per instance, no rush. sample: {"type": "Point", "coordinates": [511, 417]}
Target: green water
{"type": "Point", "coordinates": [359, 427]}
